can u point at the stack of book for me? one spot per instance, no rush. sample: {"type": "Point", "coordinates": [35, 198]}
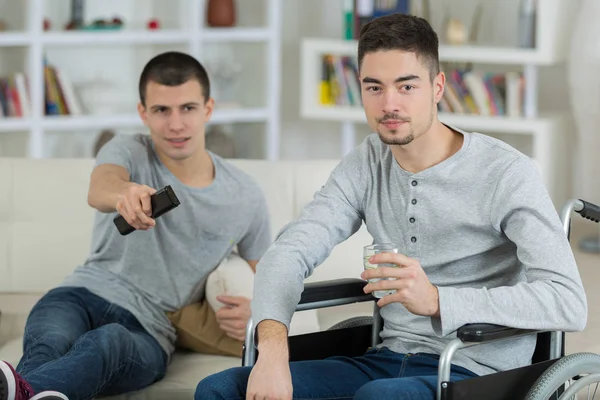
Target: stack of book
{"type": "Point", "coordinates": [59, 96]}
{"type": "Point", "coordinates": [465, 91]}
{"type": "Point", "coordinates": [481, 93]}
{"type": "Point", "coordinates": [14, 96]}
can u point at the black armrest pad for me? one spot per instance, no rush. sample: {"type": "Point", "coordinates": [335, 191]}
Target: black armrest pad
{"type": "Point", "coordinates": [590, 211]}
{"type": "Point", "coordinates": [333, 290]}
{"type": "Point", "coordinates": [488, 332]}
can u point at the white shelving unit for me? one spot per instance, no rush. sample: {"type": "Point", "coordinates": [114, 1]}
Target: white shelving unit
{"type": "Point", "coordinates": [546, 132]}
{"type": "Point", "coordinates": [193, 35]}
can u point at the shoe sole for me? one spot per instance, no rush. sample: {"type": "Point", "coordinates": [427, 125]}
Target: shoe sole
{"type": "Point", "coordinates": [49, 395]}
{"type": "Point", "coordinates": [8, 386]}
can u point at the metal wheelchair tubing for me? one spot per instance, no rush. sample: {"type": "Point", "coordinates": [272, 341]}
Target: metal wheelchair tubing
{"type": "Point", "coordinates": [445, 364]}
{"type": "Point", "coordinates": [567, 210]}
{"type": "Point", "coordinates": [250, 351]}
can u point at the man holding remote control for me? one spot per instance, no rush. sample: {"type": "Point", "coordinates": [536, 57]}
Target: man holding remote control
{"type": "Point", "coordinates": [105, 330]}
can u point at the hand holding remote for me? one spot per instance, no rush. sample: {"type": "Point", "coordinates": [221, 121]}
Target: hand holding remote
{"type": "Point", "coordinates": [143, 208]}
{"type": "Point", "coordinates": [135, 207]}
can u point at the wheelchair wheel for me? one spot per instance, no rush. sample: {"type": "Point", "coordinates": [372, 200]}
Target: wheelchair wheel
{"type": "Point", "coordinates": [575, 372]}
{"type": "Point", "coordinates": [352, 322]}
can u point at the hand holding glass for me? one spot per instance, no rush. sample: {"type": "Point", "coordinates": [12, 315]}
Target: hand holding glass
{"type": "Point", "coordinates": [370, 251]}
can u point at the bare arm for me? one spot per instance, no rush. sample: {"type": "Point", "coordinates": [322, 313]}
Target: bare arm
{"type": "Point", "coordinates": [270, 377]}
{"type": "Point", "coordinates": [107, 183]}
{"type": "Point", "coordinates": [272, 340]}
{"type": "Point", "coordinates": [111, 190]}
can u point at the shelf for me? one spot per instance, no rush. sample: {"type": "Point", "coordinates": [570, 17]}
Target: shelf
{"type": "Point", "coordinates": [88, 38]}
{"type": "Point", "coordinates": [66, 123]}
{"type": "Point", "coordinates": [174, 36]}
{"type": "Point", "coordinates": [474, 54]}
{"type": "Point", "coordinates": [492, 124]}
{"type": "Point", "coordinates": [14, 39]}
{"type": "Point", "coordinates": [493, 55]}
{"type": "Point", "coordinates": [235, 34]}
{"type": "Point", "coordinates": [71, 123]}
{"type": "Point", "coordinates": [13, 124]}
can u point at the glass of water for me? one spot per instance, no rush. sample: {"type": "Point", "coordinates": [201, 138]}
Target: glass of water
{"type": "Point", "coordinates": [371, 250]}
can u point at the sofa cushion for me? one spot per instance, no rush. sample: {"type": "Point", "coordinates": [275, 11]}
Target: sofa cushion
{"type": "Point", "coordinates": [235, 278]}
{"type": "Point", "coordinates": [11, 351]}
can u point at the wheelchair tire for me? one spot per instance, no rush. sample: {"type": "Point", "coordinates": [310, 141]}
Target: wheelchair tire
{"type": "Point", "coordinates": [352, 322]}
{"type": "Point", "coordinates": [561, 372]}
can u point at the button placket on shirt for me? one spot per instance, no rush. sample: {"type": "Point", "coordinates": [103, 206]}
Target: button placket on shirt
{"type": "Point", "coordinates": [412, 227]}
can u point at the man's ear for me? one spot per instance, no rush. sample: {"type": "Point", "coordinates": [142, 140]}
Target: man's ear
{"type": "Point", "coordinates": [438, 86]}
{"type": "Point", "coordinates": [209, 107]}
{"type": "Point", "coordinates": [142, 113]}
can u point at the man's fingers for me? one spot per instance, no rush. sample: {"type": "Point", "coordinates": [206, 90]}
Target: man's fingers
{"type": "Point", "coordinates": [385, 300]}
{"type": "Point", "coordinates": [387, 284]}
{"type": "Point", "coordinates": [233, 300]}
{"type": "Point", "coordinates": [129, 215]}
{"type": "Point", "coordinates": [392, 258]}
{"type": "Point", "coordinates": [225, 313]}
{"type": "Point", "coordinates": [233, 331]}
{"type": "Point", "coordinates": [146, 204]}
{"type": "Point", "coordinates": [389, 272]}
{"type": "Point", "coordinates": [232, 325]}
{"type": "Point", "coordinates": [143, 220]}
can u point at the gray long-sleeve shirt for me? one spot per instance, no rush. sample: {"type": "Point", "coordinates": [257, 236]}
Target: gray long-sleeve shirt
{"type": "Point", "coordinates": [481, 224]}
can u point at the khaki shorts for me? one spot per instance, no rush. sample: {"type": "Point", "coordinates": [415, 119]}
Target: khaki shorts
{"type": "Point", "coordinates": [198, 330]}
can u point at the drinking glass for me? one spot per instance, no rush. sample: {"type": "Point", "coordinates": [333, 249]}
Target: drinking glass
{"type": "Point", "coordinates": [377, 248]}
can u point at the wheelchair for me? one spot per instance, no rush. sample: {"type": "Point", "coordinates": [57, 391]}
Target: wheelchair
{"type": "Point", "coordinates": [551, 374]}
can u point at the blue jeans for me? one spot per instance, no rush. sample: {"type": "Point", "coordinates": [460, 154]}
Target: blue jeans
{"type": "Point", "coordinates": [379, 374]}
{"type": "Point", "coordinates": [81, 345]}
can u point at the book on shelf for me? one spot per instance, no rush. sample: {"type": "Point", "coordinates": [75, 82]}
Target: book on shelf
{"type": "Point", "coordinates": [359, 12]}
{"type": "Point", "coordinates": [339, 83]}
{"type": "Point", "coordinates": [14, 96]}
{"type": "Point", "coordinates": [59, 95]}
{"type": "Point", "coordinates": [465, 91]}
{"type": "Point", "coordinates": [483, 93]}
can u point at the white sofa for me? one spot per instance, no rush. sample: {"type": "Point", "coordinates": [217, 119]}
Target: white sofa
{"type": "Point", "coordinates": [45, 229]}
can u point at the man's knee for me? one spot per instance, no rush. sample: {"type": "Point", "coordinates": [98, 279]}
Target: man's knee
{"type": "Point", "coordinates": [53, 342]}
{"type": "Point", "coordinates": [227, 384]}
{"type": "Point", "coordinates": [108, 339]}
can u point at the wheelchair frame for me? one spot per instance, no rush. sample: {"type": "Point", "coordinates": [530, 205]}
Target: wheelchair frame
{"type": "Point", "coordinates": [550, 344]}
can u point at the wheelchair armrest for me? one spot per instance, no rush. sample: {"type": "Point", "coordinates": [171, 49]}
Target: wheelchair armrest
{"type": "Point", "coordinates": [479, 333]}
{"type": "Point", "coordinates": [333, 293]}
{"type": "Point", "coordinates": [589, 211]}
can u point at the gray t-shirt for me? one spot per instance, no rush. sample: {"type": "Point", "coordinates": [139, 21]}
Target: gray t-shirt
{"type": "Point", "coordinates": [482, 226]}
{"type": "Point", "coordinates": [165, 268]}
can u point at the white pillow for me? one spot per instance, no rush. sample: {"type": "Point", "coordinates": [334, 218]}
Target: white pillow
{"type": "Point", "coordinates": [234, 277]}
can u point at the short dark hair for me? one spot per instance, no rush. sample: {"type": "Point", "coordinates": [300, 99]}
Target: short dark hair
{"type": "Point", "coordinates": [173, 68]}
{"type": "Point", "coordinates": [401, 32]}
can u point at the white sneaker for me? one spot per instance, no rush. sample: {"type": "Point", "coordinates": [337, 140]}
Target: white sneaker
{"type": "Point", "coordinates": [12, 386]}
{"type": "Point", "coordinates": [49, 395]}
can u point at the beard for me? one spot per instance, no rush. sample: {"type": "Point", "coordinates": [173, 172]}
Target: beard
{"type": "Point", "coordinates": [392, 136]}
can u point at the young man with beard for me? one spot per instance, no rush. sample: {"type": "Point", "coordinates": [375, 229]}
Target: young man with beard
{"type": "Point", "coordinates": [478, 236]}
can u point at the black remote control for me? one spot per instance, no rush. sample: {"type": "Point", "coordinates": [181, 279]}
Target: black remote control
{"type": "Point", "coordinates": [162, 202]}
